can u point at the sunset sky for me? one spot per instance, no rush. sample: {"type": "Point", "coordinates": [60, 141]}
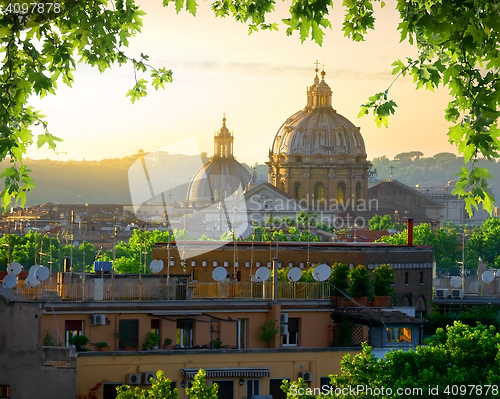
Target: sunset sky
{"type": "Point", "coordinates": [258, 80]}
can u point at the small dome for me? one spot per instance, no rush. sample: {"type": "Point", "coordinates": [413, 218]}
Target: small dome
{"type": "Point", "coordinates": [217, 179]}
{"type": "Point", "coordinates": [318, 128]}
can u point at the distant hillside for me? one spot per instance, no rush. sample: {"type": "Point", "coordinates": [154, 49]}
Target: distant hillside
{"type": "Point", "coordinates": [412, 168]}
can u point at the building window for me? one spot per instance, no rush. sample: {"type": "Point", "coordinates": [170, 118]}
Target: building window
{"type": "Point", "coordinates": [253, 388]}
{"type": "Point", "coordinates": [324, 384]}
{"type": "Point", "coordinates": [72, 328]}
{"type": "Point", "coordinates": [399, 334]}
{"type": "Point", "coordinates": [155, 328]}
{"type": "Point", "coordinates": [341, 193]}
{"type": "Point", "coordinates": [109, 390]}
{"type": "Point", "coordinates": [421, 278]}
{"type": "Point", "coordinates": [406, 278]}
{"type": "Point", "coordinates": [292, 338]}
{"type": "Point", "coordinates": [298, 159]}
{"type": "Point", "coordinates": [319, 193]}
{"type": "Point", "coordinates": [4, 391]}
{"type": "Point", "coordinates": [185, 333]}
{"type": "Point", "coordinates": [358, 192]}
{"type": "Point", "coordinates": [242, 333]}
{"type": "Point", "coordinates": [128, 331]}
{"type": "Point", "coordinates": [297, 188]}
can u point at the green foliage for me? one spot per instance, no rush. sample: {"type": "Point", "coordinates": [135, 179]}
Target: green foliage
{"type": "Point", "coordinates": [460, 356]}
{"type": "Point", "coordinates": [339, 278]}
{"type": "Point", "coordinates": [383, 280]}
{"type": "Point", "coordinates": [485, 242]}
{"type": "Point", "coordinates": [444, 241]}
{"type": "Point", "coordinates": [40, 54]}
{"type": "Point", "coordinates": [385, 222]}
{"type": "Point", "coordinates": [161, 387]}
{"type": "Point", "coordinates": [80, 341]}
{"type": "Point", "coordinates": [151, 341]}
{"type": "Point", "coordinates": [360, 281]}
{"type": "Point", "coordinates": [269, 331]}
{"type": "Point", "coordinates": [200, 390]}
{"type": "Point", "coordinates": [101, 344]}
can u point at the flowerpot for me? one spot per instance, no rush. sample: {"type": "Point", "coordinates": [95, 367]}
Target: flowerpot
{"type": "Point", "coordinates": [130, 348]}
{"type": "Point", "coordinates": [103, 348]}
{"type": "Point", "coordinates": [337, 301]}
{"type": "Point", "coordinates": [382, 301]}
{"type": "Point", "coordinates": [361, 300]}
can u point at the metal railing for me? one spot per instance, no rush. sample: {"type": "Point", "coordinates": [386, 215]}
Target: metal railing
{"type": "Point", "coordinates": [178, 291]}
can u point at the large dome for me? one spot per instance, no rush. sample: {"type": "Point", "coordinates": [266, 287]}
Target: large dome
{"type": "Point", "coordinates": [319, 130]}
{"type": "Point", "coordinates": [220, 177]}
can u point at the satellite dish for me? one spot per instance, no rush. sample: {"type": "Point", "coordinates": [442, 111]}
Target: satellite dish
{"type": "Point", "coordinates": [263, 274]}
{"type": "Point", "coordinates": [14, 268]}
{"type": "Point", "coordinates": [456, 282]}
{"type": "Point", "coordinates": [219, 273]}
{"type": "Point", "coordinates": [294, 274]}
{"type": "Point", "coordinates": [78, 219]}
{"type": "Point", "coordinates": [322, 272]}
{"type": "Point", "coordinates": [31, 282]}
{"type": "Point", "coordinates": [156, 266]}
{"type": "Point", "coordinates": [474, 287]}
{"type": "Point", "coordinates": [47, 228]}
{"type": "Point", "coordinates": [498, 273]}
{"type": "Point", "coordinates": [42, 273]}
{"type": "Point", "coordinates": [33, 269]}
{"type": "Point", "coordinates": [9, 281]}
{"type": "Point", "coordinates": [76, 243]}
{"type": "Point", "coordinates": [488, 276]}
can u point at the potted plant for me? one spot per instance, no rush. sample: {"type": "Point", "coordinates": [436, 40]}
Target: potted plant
{"type": "Point", "coordinates": [151, 341]}
{"type": "Point", "coordinates": [167, 343]}
{"type": "Point", "coordinates": [131, 346]}
{"type": "Point", "coordinates": [79, 341]}
{"type": "Point", "coordinates": [382, 285]}
{"type": "Point", "coordinates": [360, 284]}
{"type": "Point", "coordinates": [269, 331]}
{"type": "Point", "coordinates": [339, 281]}
{"type": "Point", "coordinates": [102, 346]}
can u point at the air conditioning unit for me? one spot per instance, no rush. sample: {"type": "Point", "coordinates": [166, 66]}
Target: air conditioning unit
{"type": "Point", "coordinates": [284, 329]}
{"type": "Point", "coordinates": [307, 376]}
{"type": "Point", "coordinates": [284, 318]}
{"type": "Point", "coordinates": [97, 319]}
{"type": "Point", "coordinates": [441, 293]}
{"type": "Point", "coordinates": [133, 379]}
{"type": "Point", "coordinates": [457, 294]}
{"type": "Point", "coordinates": [146, 377]}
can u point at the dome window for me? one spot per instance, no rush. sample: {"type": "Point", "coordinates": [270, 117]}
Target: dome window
{"type": "Point", "coordinates": [319, 193]}
{"type": "Point", "coordinates": [320, 160]}
{"type": "Point", "coordinates": [341, 188]}
{"type": "Point", "coordinates": [298, 158]}
{"type": "Point", "coordinates": [297, 189]}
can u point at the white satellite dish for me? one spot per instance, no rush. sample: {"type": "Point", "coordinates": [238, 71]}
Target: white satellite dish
{"type": "Point", "coordinates": [219, 273]}
{"type": "Point", "coordinates": [9, 281]}
{"type": "Point", "coordinates": [156, 266]}
{"type": "Point", "coordinates": [456, 282]}
{"type": "Point", "coordinates": [322, 272]}
{"type": "Point", "coordinates": [78, 219]}
{"type": "Point", "coordinates": [14, 268]}
{"type": "Point", "coordinates": [497, 273]}
{"type": "Point", "coordinates": [76, 243]}
{"type": "Point", "coordinates": [33, 269]}
{"type": "Point", "coordinates": [47, 227]}
{"type": "Point", "coordinates": [31, 281]}
{"type": "Point", "coordinates": [263, 274]}
{"type": "Point", "coordinates": [294, 274]}
{"type": "Point", "coordinates": [474, 287]}
{"type": "Point", "coordinates": [488, 276]}
{"type": "Point", "coordinates": [42, 273]}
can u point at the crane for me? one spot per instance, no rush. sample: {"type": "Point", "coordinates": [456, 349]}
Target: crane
{"type": "Point", "coordinates": [60, 152]}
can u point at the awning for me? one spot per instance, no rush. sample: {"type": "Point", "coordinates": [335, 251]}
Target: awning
{"type": "Point", "coordinates": [229, 372]}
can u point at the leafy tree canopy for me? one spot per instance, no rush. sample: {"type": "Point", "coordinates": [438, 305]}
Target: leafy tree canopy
{"type": "Point", "coordinates": [456, 42]}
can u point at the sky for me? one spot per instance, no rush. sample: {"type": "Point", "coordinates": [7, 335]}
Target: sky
{"type": "Point", "coordinates": [258, 81]}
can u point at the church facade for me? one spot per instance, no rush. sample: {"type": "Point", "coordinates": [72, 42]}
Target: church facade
{"type": "Point", "coordinates": [318, 156]}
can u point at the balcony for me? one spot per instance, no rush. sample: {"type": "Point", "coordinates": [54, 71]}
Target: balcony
{"type": "Point", "coordinates": [132, 291]}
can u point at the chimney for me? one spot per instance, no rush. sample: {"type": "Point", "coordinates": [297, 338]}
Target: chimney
{"type": "Point", "coordinates": [410, 232]}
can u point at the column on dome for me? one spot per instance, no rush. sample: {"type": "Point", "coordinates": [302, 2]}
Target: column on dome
{"type": "Point", "coordinates": [223, 142]}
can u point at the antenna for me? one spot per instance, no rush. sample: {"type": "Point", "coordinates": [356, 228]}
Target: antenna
{"type": "Point", "coordinates": [156, 266]}
{"type": "Point", "coordinates": [322, 272]}
{"type": "Point", "coordinates": [488, 276]}
{"type": "Point", "coordinates": [14, 268]}
{"type": "Point", "coordinates": [9, 281]}
{"type": "Point", "coordinates": [42, 273]}
{"type": "Point", "coordinates": [456, 282]}
{"type": "Point", "coordinates": [294, 274]}
{"type": "Point", "coordinates": [219, 273]}
{"type": "Point", "coordinates": [263, 274]}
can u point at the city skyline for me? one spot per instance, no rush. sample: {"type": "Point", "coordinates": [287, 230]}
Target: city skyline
{"type": "Point", "coordinates": [258, 81]}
